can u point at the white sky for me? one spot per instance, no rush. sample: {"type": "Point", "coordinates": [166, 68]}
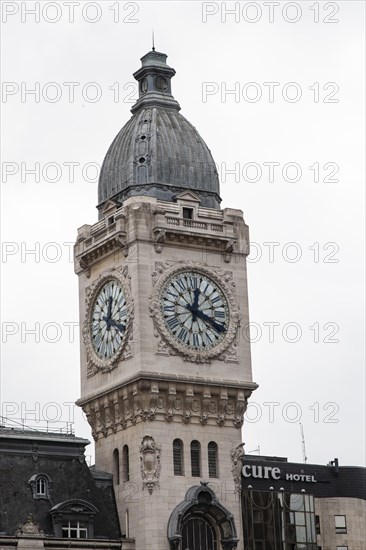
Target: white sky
{"type": "Point", "coordinates": [324, 379]}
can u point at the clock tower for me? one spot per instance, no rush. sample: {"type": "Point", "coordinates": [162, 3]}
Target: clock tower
{"type": "Point", "coordinates": [165, 361]}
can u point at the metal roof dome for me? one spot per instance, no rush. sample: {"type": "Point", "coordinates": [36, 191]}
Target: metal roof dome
{"type": "Point", "coordinates": [158, 152]}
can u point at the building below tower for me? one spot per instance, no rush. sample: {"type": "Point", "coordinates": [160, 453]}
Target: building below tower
{"type": "Point", "coordinates": [295, 506]}
{"type": "Point", "coordinates": [50, 498]}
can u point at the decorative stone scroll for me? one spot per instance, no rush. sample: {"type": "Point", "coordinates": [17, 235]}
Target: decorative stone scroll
{"type": "Point", "coordinates": [29, 528]}
{"type": "Point", "coordinates": [152, 400]}
{"type": "Point", "coordinates": [237, 455]}
{"type": "Point", "coordinates": [150, 463]}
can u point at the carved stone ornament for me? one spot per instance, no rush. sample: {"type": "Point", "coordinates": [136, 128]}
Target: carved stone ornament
{"type": "Point", "coordinates": [29, 529]}
{"type": "Point", "coordinates": [147, 401]}
{"type": "Point", "coordinates": [150, 463]}
{"type": "Point", "coordinates": [237, 455]}
{"type": "Point", "coordinates": [224, 280]}
{"type": "Point", "coordinates": [94, 363]}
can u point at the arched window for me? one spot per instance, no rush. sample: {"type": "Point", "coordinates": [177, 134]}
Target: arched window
{"type": "Point", "coordinates": [212, 456]}
{"type": "Point", "coordinates": [41, 486]}
{"type": "Point", "coordinates": [73, 519]}
{"type": "Point", "coordinates": [196, 458]}
{"type": "Point", "coordinates": [198, 534]}
{"type": "Point", "coordinates": [125, 463]}
{"type": "Point", "coordinates": [116, 466]}
{"type": "Point", "coordinates": [178, 457]}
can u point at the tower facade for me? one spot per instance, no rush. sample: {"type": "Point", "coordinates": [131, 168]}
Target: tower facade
{"type": "Point", "coordinates": [165, 367]}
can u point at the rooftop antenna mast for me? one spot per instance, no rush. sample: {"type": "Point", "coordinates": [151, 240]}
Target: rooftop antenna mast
{"type": "Point", "coordinates": [304, 457]}
{"type": "Point", "coordinates": [153, 41]}
{"type": "Point", "coordinates": [257, 450]}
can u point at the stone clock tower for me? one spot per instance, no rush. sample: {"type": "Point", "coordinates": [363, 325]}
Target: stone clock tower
{"type": "Point", "coordinates": [165, 369]}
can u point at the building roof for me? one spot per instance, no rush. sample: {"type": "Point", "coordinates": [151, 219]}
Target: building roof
{"type": "Point", "coordinates": [158, 152]}
{"type": "Point", "coordinates": [25, 455]}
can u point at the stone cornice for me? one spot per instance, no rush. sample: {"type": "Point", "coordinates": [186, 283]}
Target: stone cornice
{"type": "Point", "coordinates": [167, 378]}
{"type": "Point", "coordinates": [152, 400]}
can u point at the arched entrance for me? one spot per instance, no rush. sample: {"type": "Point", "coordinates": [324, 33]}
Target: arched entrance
{"type": "Point", "coordinates": [201, 522]}
{"type": "Point", "coordinates": [198, 533]}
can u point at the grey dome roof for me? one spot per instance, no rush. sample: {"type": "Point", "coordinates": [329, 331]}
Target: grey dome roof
{"type": "Point", "coordinates": [158, 152]}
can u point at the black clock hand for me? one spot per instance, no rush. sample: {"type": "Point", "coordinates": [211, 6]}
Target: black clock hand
{"type": "Point", "coordinates": [195, 304]}
{"type": "Point", "coordinates": [218, 327]}
{"type": "Point", "coordinates": [114, 323]}
{"type": "Point", "coordinates": [109, 313]}
{"type": "Point", "coordinates": [197, 313]}
{"type": "Point", "coordinates": [108, 321]}
{"type": "Point", "coordinates": [107, 318]}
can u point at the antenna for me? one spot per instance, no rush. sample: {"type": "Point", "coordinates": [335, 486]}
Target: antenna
{"type": "Point", "coordinates": [153, 41]}
{"type": "Point", "coordinates": [257, 450]}
{"type": "Point", "coordinates": [304, 457]}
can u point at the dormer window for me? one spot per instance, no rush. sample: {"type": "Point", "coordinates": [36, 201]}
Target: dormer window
{"type": "Point", "coordinates": [187, 213]}
{"type": "Point", "coordinates": [40, 486]}
{"type": "Point", "coordinates": [74, 519]}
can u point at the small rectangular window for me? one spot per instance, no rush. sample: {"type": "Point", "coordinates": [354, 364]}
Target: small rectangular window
{"type": "Point", "coordinates": [212, 459]}
{"type": "Point", "coordinates": [342, 547]}
{"type": "Point", "coordinates": [195, 459]}
{"type": "Point", "coordinates": [125, 463]}
{"type": "Point", "coordinates": [317, 525]}
{"type": "Point", "coordinates": [75, 530]}
{"type": "Point", "coordinates": [178, 457]}
{"type": "Point", "coordinates": [188, 213]}
{"type": "Point", "coordinates": [340, 525]}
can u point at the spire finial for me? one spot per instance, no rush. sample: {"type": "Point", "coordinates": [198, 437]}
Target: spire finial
{"type": "Point", "coordinates": [153, 41]}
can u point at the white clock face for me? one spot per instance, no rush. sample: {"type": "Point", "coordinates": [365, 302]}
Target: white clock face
{"type": "Point", "coordinates": [195, 310]}
{"type": "Point", "coordinates": [109, 319]}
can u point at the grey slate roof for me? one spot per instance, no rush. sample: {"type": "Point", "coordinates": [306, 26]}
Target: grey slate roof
{"type": "Point", "coordinates": [158, 152]}
{"type": "Point", "coordinates": [60, 458]}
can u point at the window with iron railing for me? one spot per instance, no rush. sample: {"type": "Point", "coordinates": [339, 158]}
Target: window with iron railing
{"type": "Point", "coordinates": [125, 463]}
{"type": "Point", "coordinates": [178, 457]}
{"type": "Point", "coordinates": [196, 458]}
{"type": "Point", "coordinates": [212, 455]}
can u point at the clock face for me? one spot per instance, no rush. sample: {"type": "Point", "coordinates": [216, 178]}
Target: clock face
{"type": "Point", "coordinates": [143, 86]}
{"type": "Point", "coordinates": [161, 83]}
{"type": "Point", "coordinates": [108, 319]}
{"type": "Point", "coordinates": [195, 310]}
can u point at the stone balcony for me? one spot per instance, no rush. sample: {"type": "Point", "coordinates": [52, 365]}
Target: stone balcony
{"type": "Point", "coordinates": [163, 223]}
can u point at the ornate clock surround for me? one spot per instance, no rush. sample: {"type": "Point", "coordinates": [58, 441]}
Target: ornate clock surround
{"type": "Point", "coordinates": [94, 362]}
{"type": "Point", "coordinates": [224, 280]}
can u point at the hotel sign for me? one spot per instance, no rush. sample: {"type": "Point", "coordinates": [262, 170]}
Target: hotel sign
{"type": "Point", "coordinates": [269, 472]}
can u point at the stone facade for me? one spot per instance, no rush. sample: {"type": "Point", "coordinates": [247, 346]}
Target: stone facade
{"type": "Point", "coordinates": [354, 510]}
{"type": "Point", "coordinates": [153, 391]}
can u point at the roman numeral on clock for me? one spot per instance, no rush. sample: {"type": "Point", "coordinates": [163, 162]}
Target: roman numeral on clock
{"type": "Point", "coordinates": [172, 323]}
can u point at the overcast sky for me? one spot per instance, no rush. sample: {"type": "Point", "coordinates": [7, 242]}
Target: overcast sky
{"type": "Point", "coordinates": [290, 132]}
